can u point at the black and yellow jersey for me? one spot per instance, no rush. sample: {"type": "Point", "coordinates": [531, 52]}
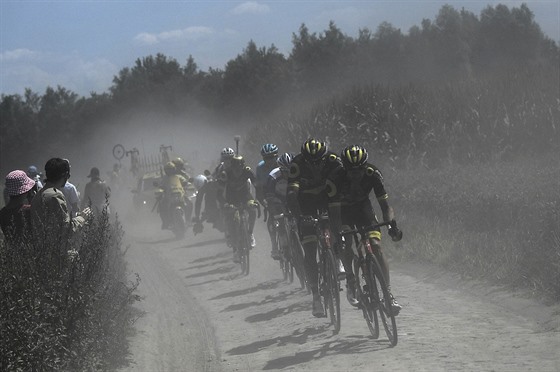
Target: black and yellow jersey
{"type": "Point", "coordinates": [351, 186]}
{"type": "Point", "coordinates": [309, 178]}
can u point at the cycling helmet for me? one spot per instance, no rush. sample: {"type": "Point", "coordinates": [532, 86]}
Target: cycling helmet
{"type": "Point", "coordinates": [354, 156]}
{"type": "Point", "coordinates": [227, 153]}
{"type": "Point", "coordinates": [313, 149]}
{"type": "Point", "coordinates": [169, 168]}
{"type": "Point", "coordinates": [237, 162]}
{"type": "Point", "coordinates": [269, 149]}
{"type": "Point", "coordinates": [199, 181]}
{"type": "Point", "coordinates": [284, 160]}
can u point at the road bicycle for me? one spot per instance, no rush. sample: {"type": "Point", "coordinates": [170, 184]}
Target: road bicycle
{"type": "Point", "coordinates": [372, 293]}
{"type": "Point", "coordinates": [290, 249]}
{"type": "Point", "coordinates": [329, 284]}
{"type": "Point", "coordinates": [241, 237]}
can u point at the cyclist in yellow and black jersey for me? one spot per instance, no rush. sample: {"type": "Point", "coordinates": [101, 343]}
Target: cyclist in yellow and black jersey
{"type": "Point", "coordinates": [306, 196]}
{"type": "Point", "coordinates": [238, 179]}
{"type": "Point", "coordinates": [349, 204]}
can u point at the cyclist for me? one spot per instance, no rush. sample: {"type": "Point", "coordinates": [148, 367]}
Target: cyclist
{"type": "Point", "coordinates": [349, 204]}
{"type": "Point", "coordinates": [238, 179]}
{"type": "Point", "coordinates": [207, 188]}
{"type": "Point", "coordinates": [306, 195]}
{"type": "Point", "coordinates": [269, 153]}
{"type": "Point", "coordinates": [275, 195]}
{"type": "Point", "coordinates": [219, 175]}
{"type": "Point", "coordinates": [171, 183]}
{"type": "Point", "coordinates": [226, 155]}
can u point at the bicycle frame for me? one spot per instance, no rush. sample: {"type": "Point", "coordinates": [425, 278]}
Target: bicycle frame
{"type": "Point", "coordinates": [329, 284]}
{"type": "Point", "coordinates": [291, 251]}
{"type": "Point", "coordinates": [374, 295]}
{"type": "Point", "coordinates": [241, 238]}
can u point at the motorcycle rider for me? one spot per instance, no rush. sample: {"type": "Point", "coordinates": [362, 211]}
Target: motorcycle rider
{"type": "Point", "coordinates": [238, 179]}
{"type": "Point", "coordinates": [190, 189]}
{"type": "Point", "coordinates": [171, 191]}
{"type": "Point", "coordinates": [275, 191]}
{"type": "Point", "coordinates": [306, 196]}
{"type": "Point", "coordinates": [349, 205]}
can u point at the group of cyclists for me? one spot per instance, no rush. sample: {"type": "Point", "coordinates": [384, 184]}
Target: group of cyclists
{"type": "Point", "coordinates": [304, 185]}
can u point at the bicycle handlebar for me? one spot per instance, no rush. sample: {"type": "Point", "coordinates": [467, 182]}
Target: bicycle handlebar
{"type": "Point", "coordinates": [361, 230]}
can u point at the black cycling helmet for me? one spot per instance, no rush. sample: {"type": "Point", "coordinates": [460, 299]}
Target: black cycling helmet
{"type": "Point", "coordinates": [269, 149]}
{"type": "Point", "coordinates": [313, 149]}
{"type": "Point", "coordinates": [284, 160]}
{"type": "Point", "coordinates": [354, 156]}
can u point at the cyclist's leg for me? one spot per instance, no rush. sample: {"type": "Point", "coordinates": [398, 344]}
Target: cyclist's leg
{"type": "Point", "coordinates": [252, 219]}
{"type": "Point", "coordinates": [270, 224]}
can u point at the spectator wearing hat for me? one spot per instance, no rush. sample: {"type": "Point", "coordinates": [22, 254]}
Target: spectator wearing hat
{"type": "Point", "coordinates": [15, 217]}
{"type": "Point", "coordinates": [97, 193]}
{"type": "Point", "coordinates": [50, 217]}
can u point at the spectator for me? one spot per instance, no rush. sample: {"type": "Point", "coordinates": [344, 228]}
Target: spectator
{"type": "Point", "coordinates": [97, 193]}
{"type": "Point", "coordinates": [72, 198]}
{"type": "Point", "coordinates": [50, 218]}
{"type": "Point", "coordinates": [35, 175]}
{"type": "Point", "coordinates": [15, 217]}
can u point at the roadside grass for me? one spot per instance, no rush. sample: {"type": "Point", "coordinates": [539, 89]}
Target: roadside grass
{"type": "Point", "coordinates": [66, 305]}
{"type": "Point", "coordinates": [499, 221]}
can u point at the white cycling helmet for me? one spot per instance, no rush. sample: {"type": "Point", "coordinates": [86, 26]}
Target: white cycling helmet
{"type": "Point", "coordinates": [199, 181]}
{"type": "Point", "coordinates": [227, 153]}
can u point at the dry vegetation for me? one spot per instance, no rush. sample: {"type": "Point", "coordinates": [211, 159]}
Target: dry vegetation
{"type": "Point", "coordinates": [65, 306]}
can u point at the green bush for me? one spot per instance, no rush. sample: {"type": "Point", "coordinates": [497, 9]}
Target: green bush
{"type": "Point", "coordinates": [65, 304]}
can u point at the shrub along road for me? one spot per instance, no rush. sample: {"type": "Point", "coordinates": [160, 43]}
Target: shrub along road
{"type": "Point", "coordinates": [202, 314]}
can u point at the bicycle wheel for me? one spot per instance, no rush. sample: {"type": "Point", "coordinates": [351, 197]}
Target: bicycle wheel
{"type": "Point", "coordinates": [282, 253]}
{"type": "Point", "coordinates": [332, 290]}
{"type": "Point", "coordinates": [363, 283]}
{"type": "Point", "coordinates": [297, 258]}
{"type": "Point", "coordinates": [384, 304]}
{"type": "Point", "coordinates": [283, 242]}
{"type": "Point", "coordinates": [244, 250]}
{"type": "Point", "coordinates": [118, 151]}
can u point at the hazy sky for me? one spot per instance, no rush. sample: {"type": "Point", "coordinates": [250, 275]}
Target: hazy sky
{"type": "Point", "coordinates": [81, 45]}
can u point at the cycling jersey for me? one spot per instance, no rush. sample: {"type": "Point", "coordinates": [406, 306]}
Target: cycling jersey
{"type": "Point", "coordinates": [263, 170]}
{"type": "Point", "coordinates": [275, 191]}
{"type": "Point", "coordinates": [351, 186]}
{"type": "Point", "coordinates": [238, 186]}
{"type": "Point", "coordinates": [307, 187]}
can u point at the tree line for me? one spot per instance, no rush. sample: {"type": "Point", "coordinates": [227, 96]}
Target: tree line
{"type": "Point", "coordinates": [261, 83]}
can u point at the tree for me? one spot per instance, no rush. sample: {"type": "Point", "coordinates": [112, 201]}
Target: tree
{"type": "Point", "coordinates": [256, 79]}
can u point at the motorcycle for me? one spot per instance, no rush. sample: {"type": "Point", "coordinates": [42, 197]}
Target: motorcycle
{"type": "Point", "coordinates": [174, 213]}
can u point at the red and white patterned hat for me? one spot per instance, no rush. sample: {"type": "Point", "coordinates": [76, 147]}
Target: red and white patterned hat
{"type": "Point", "coordinates": [18, 183]}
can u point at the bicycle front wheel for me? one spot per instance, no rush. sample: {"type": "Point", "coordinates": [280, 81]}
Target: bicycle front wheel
{"type": "Point", "coordinates": [244, 251]}
{"type": "Point", "coordinates": [332, 290]}
{"type": "Point", "coordinates": [363, 284]}
{"type": "Point", "coordinates": [384, 308]}
{"type": "Point", "coordinates": [296, 253]}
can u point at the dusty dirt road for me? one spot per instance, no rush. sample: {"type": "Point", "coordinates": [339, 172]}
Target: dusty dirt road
{"type": "Point", "coordinates": [201, 314]}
